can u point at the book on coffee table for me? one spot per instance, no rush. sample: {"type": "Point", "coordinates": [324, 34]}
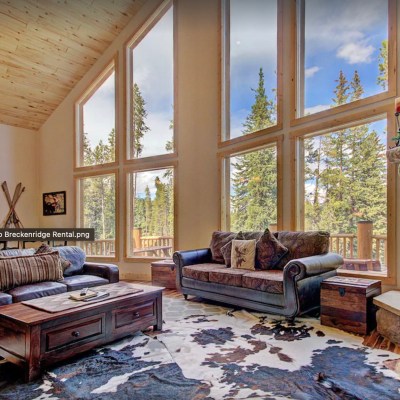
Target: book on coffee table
{"type": "Point", "coordinates": [90, 294]}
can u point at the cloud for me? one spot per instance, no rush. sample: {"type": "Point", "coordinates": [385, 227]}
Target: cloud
{"type": "Point", "coordinates": [147, 178]}
{"type": "Point", "coordinates": [310, 72]}
{"type": "Point", "coordinates": [315, 109]}
{"type": "Point", "coordinates": [356, 52]}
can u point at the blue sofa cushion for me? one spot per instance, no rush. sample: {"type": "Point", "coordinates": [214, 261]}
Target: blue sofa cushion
{"type": "Point", "coordinates": [75, 255]}
{"type": "Point", "coordinates": [17, 252]}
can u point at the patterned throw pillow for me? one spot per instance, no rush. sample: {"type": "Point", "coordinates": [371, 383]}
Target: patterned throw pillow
{"type": "Point", "coordinates": [218, 240]}
{"type": "Point", "coordinates": [243, 254]}
{"type": "Point", "coordinates": [45, 248]}
{"type": "Point", "coordinates": [23, 270]}
{"type": "Point", "coordinates": [303, 244]}
{"type": "Point", "coordinates": [269, 251]}
{"type": "Point", "coordinates": [226, 251]}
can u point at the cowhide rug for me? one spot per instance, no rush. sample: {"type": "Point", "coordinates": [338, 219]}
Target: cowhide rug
{"type": "Point", "coordinates": [234, 356]}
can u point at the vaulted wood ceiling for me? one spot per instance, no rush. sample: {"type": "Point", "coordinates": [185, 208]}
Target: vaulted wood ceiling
{"type": "Point", "coordinates": [46, 46]}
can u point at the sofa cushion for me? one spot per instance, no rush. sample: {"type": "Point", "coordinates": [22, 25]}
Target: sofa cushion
{"type": "Point", "coordinates": [243, 254]}
{"type": "Point", "coordinates": [218, 240]}
{"type": "Point", "coordinates": [269, 251]}
{"type": "Point", "coordinates": [36, 290]}
{"type": "Point", "coordinates": [200, 272]}
{"type": "Point", "coordinates": [267, 281]}
{"type": "Point", "coordinates": [78, 282]}
{"type": "Point", "coordinates": [22, 270]}
{"type": "Point", "coordinates": [302, 244]}
{"type": "Point", "coordinates": [45, 248]}
{"type": "Point", "coordinates": [75, 255]}
{"type": "Point", "coordinates": [226, 251]}
{"type": "Point", "coordinates": [227, 276]}
{"type": "Point", "coordinates": [5, 299]}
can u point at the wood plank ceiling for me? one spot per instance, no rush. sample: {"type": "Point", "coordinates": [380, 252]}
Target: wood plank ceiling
{"type": "Point", "coordinates": [46, 46]}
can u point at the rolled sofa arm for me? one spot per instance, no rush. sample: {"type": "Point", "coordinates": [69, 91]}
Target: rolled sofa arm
{"type": "Point", "coordinates": [5, 299]}
{"type": "Point", "coordinates": [311, 266]}
{"type": "Point", "coordinates": [189, 257]}
{"type": "Point", "coordinates": [106, 271]}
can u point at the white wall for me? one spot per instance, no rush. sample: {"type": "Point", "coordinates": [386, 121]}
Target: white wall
{"type": "Point", "coordinates": [19, 163]}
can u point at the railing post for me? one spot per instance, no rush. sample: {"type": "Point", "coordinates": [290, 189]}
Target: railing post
{"type": "Point", "coordinates": [137, 238]}
{"type": "Point", "coordinates": [364, 239]}
{"type": "Point", "coordinates": [273, 227]}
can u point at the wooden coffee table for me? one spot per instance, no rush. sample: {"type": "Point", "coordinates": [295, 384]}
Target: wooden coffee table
{"type": "Point", "coordinates": [34, 339]}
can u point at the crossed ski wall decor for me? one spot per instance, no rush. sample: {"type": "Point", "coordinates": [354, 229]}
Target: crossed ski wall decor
{"type": "Point", "coordinates": [12, 218]}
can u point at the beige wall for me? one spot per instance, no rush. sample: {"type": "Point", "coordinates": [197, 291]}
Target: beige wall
{"type": "Point", "coordinates": [18, 163]}
{"type": "Point", "coordinates": [197, 125]}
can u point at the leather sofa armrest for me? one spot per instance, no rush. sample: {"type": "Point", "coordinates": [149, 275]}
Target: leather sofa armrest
{"type": "Point", "coordinates": [191, 257]}
{"type": "Point", "coordinates": [5, 299]}
{"type": "Point", "coordinates": [106, 271]}
{"type": "Point", "coordinates": [310, 266]}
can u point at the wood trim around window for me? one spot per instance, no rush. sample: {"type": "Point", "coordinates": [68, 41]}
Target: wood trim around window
{"type": "Point", "coordinates": [390, 92]}
{"type": "Point", "coordinates": [224, 176]}
{"type": "Point", "coordinates": [78, 210]}
{"type": "Point", "coordinates": [112, 66]}
{"type": "Point", "coordinates": [224, 91]}
{"type": "Point", "coordinates": [126, 213]}
{"type": "Point", "coordinates": [297, 203]}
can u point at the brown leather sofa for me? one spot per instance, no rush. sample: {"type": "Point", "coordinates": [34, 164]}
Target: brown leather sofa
{"type": "Point", "coordinates": [291, 288]}
{"type": "Point", "coordinates": [79, 275]}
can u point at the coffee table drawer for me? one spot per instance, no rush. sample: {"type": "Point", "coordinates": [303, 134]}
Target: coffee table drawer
{"type": "Point", "coordinates": [126, 318]}
{"type": "Point", "coordinates": [74, 332]}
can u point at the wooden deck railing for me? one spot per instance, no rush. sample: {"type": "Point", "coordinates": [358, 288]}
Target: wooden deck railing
{"type": "Point", "coordinates": [363, 245]}
{"type": "Point", "coordinates": [100, 248]}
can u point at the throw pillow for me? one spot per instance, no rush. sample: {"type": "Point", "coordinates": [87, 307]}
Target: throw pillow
{"type": "Point", "coordinates": [218, 240]}
{"type": "Point", "coordinates": [45, 248]}
{"type": "Point", "coordinates": [303, 244]}
{"type": "Point", "coordinates": [269, 251]}
{"type": "Point", "coordinates": [243, 254]}
{"type": "Point", "coordinates": [226, 251]}
{"type": "Point", "coordinates": [23, 270]}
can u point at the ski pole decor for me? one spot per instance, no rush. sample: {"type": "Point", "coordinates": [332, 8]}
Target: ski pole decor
{"type": "Point", "coordinates": [12, 219]}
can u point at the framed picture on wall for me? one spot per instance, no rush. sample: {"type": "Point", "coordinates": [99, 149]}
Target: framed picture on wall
{"type": "Point", "coordinates": [54, 203]}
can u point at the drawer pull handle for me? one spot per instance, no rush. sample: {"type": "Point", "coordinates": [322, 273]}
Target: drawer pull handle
{"type": "Point", "coordinates": [342, 291]}
{"type": "Point", "coordinates": [75, 334]}
{"type": "Point", "coordinates": [136, 314]}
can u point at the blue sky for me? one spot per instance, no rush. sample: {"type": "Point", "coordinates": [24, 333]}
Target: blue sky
{"type": "Point", "coordinates": [339, 34]}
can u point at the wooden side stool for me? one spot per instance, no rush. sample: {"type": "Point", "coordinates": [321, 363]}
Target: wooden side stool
{"type": "Point", "coordinates": [163, 273]}
{"type": "Point", "coordinates": [388, 315]}
{"type": "Point", "coordinates": [346, 303]}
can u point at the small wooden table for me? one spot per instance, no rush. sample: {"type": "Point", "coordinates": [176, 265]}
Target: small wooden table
{"type": "Point", "coordinates": [163, 273]}
{"type": "Point", "coordinates": [34, 339]}
{"type": "Point", "coordinates": [346, 303]}
{"type": "Point", "coordinates": [388, 315]}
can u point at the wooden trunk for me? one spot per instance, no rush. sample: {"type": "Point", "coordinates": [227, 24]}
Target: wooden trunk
{"type": "Point", "coordinates": [163, 274]}
{"type": "Point", "coordinates": [347, 303]}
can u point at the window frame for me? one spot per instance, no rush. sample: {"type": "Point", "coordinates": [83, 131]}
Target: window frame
{"type": "Point", "coordinates": [105, 73]}
{"type": "Point", "coordinates": [129, 46]}
{"type": "Point", "coordinates": [298, 71]}
{"type": "Point", "coordinates": [224, 129]}
{"type": "Point", "coordinates": [297, 184]}
{"type": "Point", "coordinates": [144, 167]}
{"type": "Point", "coordinates": [78, 207]}
{"type": "Point", "coordinates": [224, 163]}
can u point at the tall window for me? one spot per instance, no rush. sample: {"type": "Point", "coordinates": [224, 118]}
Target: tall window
{"type": "Point", "coordinates": [342, 52]}
{"type": "Point", "coordinates": [252, 190]}
{"type": "Point", "coordinates": [151, 213]}
{"type": "Point", "coordinates": [151, 89]}
{"type": "Point", "coordinates": [97, 209]}
{"type": "Point", "coordinates": [345, 193]}
{"type": "Point", "coordinates": [96, 122]}
{"type": "Point", "coordinates": [250, 67]}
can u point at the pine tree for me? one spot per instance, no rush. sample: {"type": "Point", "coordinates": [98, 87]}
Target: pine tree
{"type": "Point", "coordinates": [382, 79]}
{"type": "Point", "coordinates": [139, 121]}
{"type": "Point", "coordinates": [253, 201]}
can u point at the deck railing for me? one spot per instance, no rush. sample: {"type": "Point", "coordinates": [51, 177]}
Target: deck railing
{"type": "Point", "coordinates": [100, 248]}
{"type": "Point", "coordinates": [363, 245]}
